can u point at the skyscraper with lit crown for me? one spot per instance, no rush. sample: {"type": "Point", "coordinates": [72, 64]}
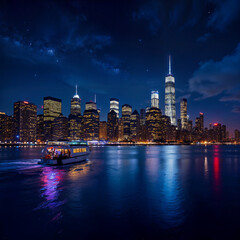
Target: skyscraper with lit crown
{"type": "Point", "coordinates": [170, 102]}
{"type": "Point", "coordinates": [155, 99]}
{"type": "Point", "coordinates": [114, 105]}
{"type": "Point", "coordinates": [76, 104]}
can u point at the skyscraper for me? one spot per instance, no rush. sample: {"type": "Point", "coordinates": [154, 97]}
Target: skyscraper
{"type": "Point", "coordinates": [40, 128]}
{"type": "Point", "coordinates": [60, 128]}
{"type": "Point", "coordinates": [91, 124]}
{"type": "Point", "coordinates": [126, 113]}
{"type": "Point", "coordinates": [155, 99]}
{"type": "Point", "coordinates": [103, 130]}
{"type": "Point", "coordinates": [25, 119]}
{"type": "Point", "coordinates": [134, 125]}
{"type": "Point", "coordinates": [91, 106]}
{"type": "Point", "coordinates": [52, 108]}
{"type": "Point", "coordinates": [6, 128]}
{"type": "Point", "coordinates": [184, 118]}
{"type": "Point", "coordinates": [114, 105]}
{"type": "Point", "coordinates": [153, 123]}
{"type": "Point", "coordinates": [76, 104]}
{"type": "Point", "coordinates": [170, 103]}
{"type": "Point", "coordinates": [112, 126]}
{"type": "Point", "coordinates": [142, 116]}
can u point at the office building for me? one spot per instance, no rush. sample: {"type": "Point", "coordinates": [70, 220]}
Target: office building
{"type": "Point", "coordinates": [184, 117]}
{"type": "Point", "coordinates": [114, 105]}
{"type": "Point", "coordinates": [52, 108]}
{"type": "Point", "coordinates": [90, 106]}
{"type": "Point", "coordinates": [112, 126]}
{"type": "Point", "coordinates": [142, 116]}
{"type": "Point", "coordinates": [25, 120]}
{"type": "Point", "coordinates": [134, 125]}
{"type": "Point", "coordinates": [91, 124]}
{"type": "Point", "coordinates": [126, 114]}
{"type": "Point", "coordinates": [40, 128]}
{"type": "Point", "coordinates": [60, 128]}
{"type": "Point", "coordinates": [76, 104]}
{"type": "Point", "coordinates": [155, 99]}
{"type": "Point", "coordinates": [153, 123]}
{"type": "Point", "coordinates": [170, 102]}
{"type": "Point", "coordinates": [6, 128]}
{"type": "Point", "coordinates": [103, 130]}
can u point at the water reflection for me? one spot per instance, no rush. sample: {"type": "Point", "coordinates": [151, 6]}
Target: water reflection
{"type": "Point", "coordinates": [79, 170]}
{"type": "Point", "coordinates": [51, 179]}
{"type": "Point", "coordinates": [172, 201]}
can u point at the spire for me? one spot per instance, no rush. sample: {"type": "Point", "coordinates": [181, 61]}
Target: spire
{"type": "Point", "coordinates": [95, 98]}
{"type": "Point", "coordinates": [169, 66]}
{"type": "Point", "coordinates": [76, 95]}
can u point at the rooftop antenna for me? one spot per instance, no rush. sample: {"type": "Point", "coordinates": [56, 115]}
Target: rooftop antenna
{"type": "Point", "coordinates": [76, 89]}
{"type": "Point", "coordinates": [169, 66]}
{"type": "Point", "coordinates": [95, 98]}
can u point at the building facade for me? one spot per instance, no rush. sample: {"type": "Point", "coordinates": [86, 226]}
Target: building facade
{"type": "Point", "coordinates": [155, 99]}
{"type": "Point", "coordinates": [75, 105]}
{"type": "Point", "coordinates": [153, 124]}
{"type": "Point", "coordinates": [112, 126]}
{"type": "Point", "coordinates": [184, 118]}
{"type": "Point", "coordinates": [40, 128]}
{"type": "Point", "coordinates": [52, 108]}
{"type": "Point", "coordinates": [114, 105]}
{"type": "Point", "coordinates": [126, 114]}
{"type": "Point", "coordinates": [6, 128]}
{"type": "Point", "coordinates": [25, 121]}
{"type": "Point", "coordinates": [135, 126]}
{"type": "Point", "coordinates": [60, 128]}
{"type": "Point", "coordinates": [91, 125]}
{"type": "Point", "coordinates": [170, 102]}
{"type": "Point", "coordinates": [103, 130]}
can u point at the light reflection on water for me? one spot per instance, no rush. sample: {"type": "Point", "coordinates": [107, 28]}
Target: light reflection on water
{"type": "Point", "coordinates": [135, 191]}
{"type": "Point", "coordinates": [173, 212]}
{"type": "Point", "coordinates": [51, 178]}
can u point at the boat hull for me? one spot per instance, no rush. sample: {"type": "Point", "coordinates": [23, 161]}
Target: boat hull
{"type": "Point", "coordinates": [65, 160]}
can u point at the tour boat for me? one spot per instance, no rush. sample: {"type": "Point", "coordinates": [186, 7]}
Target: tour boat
{"type": "Point", "coordinates": [64, 152]}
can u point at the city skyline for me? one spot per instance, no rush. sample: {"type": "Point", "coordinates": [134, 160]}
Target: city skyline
{"type": "Point", "coordinates": [48, 55]}
{"type": "Point", "coordinates": [76, 104]}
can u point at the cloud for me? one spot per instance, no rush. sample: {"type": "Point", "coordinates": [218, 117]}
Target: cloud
{"type": "Point", "coordinates": [236, 109]}
{"type": "Point", "coordinates": [150, 14]}
{"type": "Point", "coordinates": [109, 64]}
{"type": "Point", "coordinates": [204, 37]}
{"type": "Point", "coordinates": [225, 12]}
{"type": "Point", "coordinates": [188, 95]}
{"type": "Point", "coordinates": [213, 78]}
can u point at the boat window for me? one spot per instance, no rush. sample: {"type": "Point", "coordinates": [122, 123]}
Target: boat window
{"type": "Point", "coordinates": [77, 150]}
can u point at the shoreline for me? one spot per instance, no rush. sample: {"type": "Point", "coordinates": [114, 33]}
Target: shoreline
{"type": "Point", "coordinates": [121, 144]}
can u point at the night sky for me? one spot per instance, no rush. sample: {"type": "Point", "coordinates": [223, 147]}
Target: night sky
{"type": "Point", "coordinates": [120, 49]}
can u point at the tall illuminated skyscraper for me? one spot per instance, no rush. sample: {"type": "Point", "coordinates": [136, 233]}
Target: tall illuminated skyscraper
{"type": "Point", "coordinates": [91, 105]}
{"type": "Point", "coordinates": [76, 104]}
{"type": "Point", "coordinates": [126, 114]}
{"type": "Point", "coordinates": [184, 118]}
{"type": "Point", "coordinates": [170, 102]}
{"type": "Point", "coordinates": [52, 108]}
{"type": "Point", "coordinates": [114, 105]}
{"type": "Point", "coordinates": [155, 99]}
{"type": "Point", "coordinates": [25, 119]}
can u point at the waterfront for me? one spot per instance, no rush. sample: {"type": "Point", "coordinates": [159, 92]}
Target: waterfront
{"type": "Point", "coordinates": [122, 192]}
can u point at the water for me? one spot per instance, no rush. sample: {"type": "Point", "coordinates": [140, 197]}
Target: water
{"type": "Point", "coordinates": [136, 192]}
